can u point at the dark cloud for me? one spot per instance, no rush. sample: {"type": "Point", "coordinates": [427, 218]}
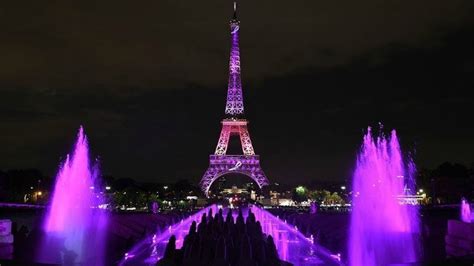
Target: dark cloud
{"type": "Point", "coordinates": [148, 79]}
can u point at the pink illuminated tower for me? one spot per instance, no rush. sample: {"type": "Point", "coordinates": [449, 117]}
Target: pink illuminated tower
{"type": "Point", "coordinates": [247, 163]}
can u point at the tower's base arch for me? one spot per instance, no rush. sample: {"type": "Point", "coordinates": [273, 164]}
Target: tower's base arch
{"type": "Point", "coordinates": [220, 165]}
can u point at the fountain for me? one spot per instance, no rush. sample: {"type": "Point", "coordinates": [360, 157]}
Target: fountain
{"type": "Point", "coordinates": [74, 226]}
{"type": "Point", "coordinates": [465, 211]}
{"type": "Point", "coordinates": [460, 234]}
{"type": "Point", "coordinates": [313, 208]}
{"type": "Point", "coordinates": [292, 246]}
{"type": "Point", "coordinates": [383, 230]}
{"type": "Point", "coordinates": [151, 249]}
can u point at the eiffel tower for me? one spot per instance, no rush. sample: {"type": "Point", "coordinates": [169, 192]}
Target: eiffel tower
{"type": "Point", "coordinates": [234, 124]}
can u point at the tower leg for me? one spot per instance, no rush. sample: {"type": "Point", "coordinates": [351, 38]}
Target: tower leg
{"type": "Point", "coordinates": [221, 164]}
{"type": "Point", "coordinates": [247, 147]}
{"type": "Point", "coordinates": [223, 142]}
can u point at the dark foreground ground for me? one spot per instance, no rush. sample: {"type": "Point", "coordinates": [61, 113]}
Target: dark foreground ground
{"type": "Point", "coordinates": [329, 228]}
{"type": "Point", "coordinates": [124, 230]}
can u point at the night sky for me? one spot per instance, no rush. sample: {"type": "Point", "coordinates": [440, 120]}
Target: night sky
{"type": "Point", "coordinates": [148, 81]}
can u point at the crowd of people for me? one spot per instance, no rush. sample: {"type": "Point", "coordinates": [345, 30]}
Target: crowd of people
{"type": "Point", "coordinates": [221, 241]}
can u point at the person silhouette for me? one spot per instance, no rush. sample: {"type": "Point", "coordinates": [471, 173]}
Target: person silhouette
{"type": "Point", "coordinates": [169, 258]}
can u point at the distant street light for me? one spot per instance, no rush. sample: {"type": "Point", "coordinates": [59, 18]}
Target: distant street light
{"type": "Point", "coordinates": [343, 187]}
{"type": "Point", "coordinates": [107, 188]}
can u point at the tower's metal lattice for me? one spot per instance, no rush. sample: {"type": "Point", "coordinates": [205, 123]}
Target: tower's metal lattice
{"type": "Point", "coordinates": [234, 127]}
{"type": "Point", "coordinates": [220, 163]}
{"type": "Point", "coordinates": [235, 100]}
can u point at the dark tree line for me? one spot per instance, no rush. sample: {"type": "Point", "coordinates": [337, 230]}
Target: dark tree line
{"type": "Point", "coordinates": [447, 183]}
{"type": "Point", "coordinates": [15, 184]}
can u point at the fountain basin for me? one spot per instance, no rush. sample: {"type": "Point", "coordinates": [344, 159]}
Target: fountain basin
{"type": "Point", "coordinates": [459, 239]}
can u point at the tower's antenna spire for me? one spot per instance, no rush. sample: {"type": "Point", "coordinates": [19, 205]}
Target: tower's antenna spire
{"type": "Point", "coordinates": [235, 101]}
{"type": "Point", "coordinates": [235, 10]}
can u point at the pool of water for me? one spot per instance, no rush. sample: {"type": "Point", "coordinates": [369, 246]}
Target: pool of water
{"type": "Point", "coordinates": [291, 244]}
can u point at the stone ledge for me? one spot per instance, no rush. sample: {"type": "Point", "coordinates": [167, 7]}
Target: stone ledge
{"type": "Point", "coordinates": [459, 239]}
{"type": "Point", "coordinates": [8, 239]}
{"type": "Point", "coordinates": [465, 244]}
{"type": "Point", "coordinates": [460, 229]}
{"type": "Point", "coordinates": [6, 251]}
{"type": "Point", "coordinates": [5, 227]}
{"type": "Point", "coordinates": [455, 251]}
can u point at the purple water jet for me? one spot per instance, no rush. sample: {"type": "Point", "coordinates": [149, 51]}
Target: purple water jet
{"type": "Point", "coordinates": [465, 211]}
{"type": "Point", "coordinates": [292, 245]}
{"type": "Point", "coordinates": [152, 248]}
{"type": "Point", "coordinates": [383, 230]}
{"type": "Point", "coordinates": [74, 226]}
